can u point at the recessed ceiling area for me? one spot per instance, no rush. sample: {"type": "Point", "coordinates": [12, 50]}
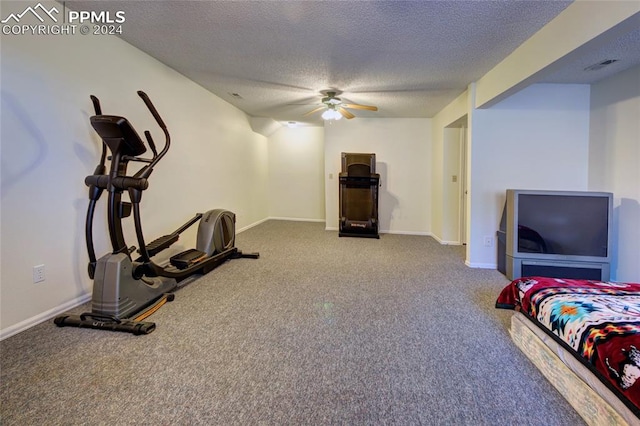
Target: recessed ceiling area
{"type": "Point", "coordinates": [410, 59]}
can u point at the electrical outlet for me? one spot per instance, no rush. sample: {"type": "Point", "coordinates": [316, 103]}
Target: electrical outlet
{"type": "Point", "coordinates": [488, 241]}
{"type": "Point", "coordinates": [38, 273]}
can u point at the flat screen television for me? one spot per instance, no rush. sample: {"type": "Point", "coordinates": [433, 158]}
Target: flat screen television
{"type": "Point", "coordinates": [565, 229]}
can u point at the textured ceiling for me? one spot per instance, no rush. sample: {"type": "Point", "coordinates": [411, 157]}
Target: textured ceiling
{"type": "Point", "coordinates": [408, 58]}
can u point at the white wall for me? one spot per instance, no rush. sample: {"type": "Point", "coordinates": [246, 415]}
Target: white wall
{"type": "Point", "coordinates": [296, 173]}
{"type": "Point", "coordinates": [536, 139]}
{"type": "Point", "coordinates": [48, 146]}
{"type": "Point", "coordinates": [403, 148]}
{"type": "Point", "coordinates": [614, 163]}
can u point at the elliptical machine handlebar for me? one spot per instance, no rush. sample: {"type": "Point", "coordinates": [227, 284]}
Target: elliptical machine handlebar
{"type": "Point", "coordinates": [152, 109]}
{"type": "Point", "coordinates": [146, 171]}
{"type": "Point", "coordinates": [95, 191]}
{"type": "Point", "coordinates": [120, 182]}
{"type": "Point", "coordinates": [96, 105]}
{"type": "Point", "coordinates": [147, 134]}
{"type": "Point", "coordinates": [100, 169]}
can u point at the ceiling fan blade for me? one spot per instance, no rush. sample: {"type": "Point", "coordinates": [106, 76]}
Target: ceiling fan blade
{"type": "Point", "coordinates": [346, 114]}
{"type": "Point", "coordinates": [315, 110]}
{"type": "Point", "coordinates": [356, 106]}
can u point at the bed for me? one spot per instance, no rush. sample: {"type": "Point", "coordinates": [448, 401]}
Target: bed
{"type": "Point", "coordinates": [585, 338]}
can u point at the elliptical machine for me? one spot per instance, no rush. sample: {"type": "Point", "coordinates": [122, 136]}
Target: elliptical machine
{"type": "Point", "coordinates": [128, 290]}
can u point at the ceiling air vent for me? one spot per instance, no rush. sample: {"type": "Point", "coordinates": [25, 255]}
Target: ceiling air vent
{"type": "Point", "coordinates": [600, 65]}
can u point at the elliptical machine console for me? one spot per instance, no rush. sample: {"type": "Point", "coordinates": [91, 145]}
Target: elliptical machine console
{"type": "Point", "coordinates": [127, 290]}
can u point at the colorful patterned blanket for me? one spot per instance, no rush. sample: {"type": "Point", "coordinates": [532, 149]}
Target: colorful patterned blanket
{"type": "Point", "coordinates": [598, 321]}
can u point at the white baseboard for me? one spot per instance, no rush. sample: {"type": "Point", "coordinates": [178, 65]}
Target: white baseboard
{"type": "Point", "coordinates": [251, 225]}
{"type": "Point", "coordinates": [35, 320]}
{"type": "Point", "coordinates": [481, 265]}
{"type": "Point", "coordinates": [295, 219]}
{"type": "Point", "coordinates": [292, 219]}
{"type": "Point", "coordinates": [445, 242]}
{"type": "Point", "coordinates": [426, 234]}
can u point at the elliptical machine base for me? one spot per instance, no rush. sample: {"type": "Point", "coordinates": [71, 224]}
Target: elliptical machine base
{"type": "Point", "coordinates": [116, 293]}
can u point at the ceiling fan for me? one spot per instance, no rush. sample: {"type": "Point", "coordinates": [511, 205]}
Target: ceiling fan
{"type": "Point", "coordinates": [335, 109]}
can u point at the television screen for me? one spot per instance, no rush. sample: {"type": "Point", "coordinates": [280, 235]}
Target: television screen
{"type": "Point", "coordinates": [573, 225]}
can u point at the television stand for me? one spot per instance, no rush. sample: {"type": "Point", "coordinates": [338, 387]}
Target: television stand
{"type": "Point", "coordinates": [523, 267]}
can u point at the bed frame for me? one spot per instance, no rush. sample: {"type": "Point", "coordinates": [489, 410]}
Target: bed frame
{"type": "Point", "coordinates": [593, 401]}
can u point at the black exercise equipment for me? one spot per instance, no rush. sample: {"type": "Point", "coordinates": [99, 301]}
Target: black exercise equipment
{"type": "Point", "coordinates": [359, 196]}
{"type": "Point", "coordinates": [127, 290]}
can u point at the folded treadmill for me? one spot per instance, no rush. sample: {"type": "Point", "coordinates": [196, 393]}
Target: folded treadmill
{"type": "Point", "coordinates": [359, 196]}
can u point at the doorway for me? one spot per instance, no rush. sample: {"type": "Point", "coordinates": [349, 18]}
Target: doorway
{"type": "Point", "coordinates": [455, 190]}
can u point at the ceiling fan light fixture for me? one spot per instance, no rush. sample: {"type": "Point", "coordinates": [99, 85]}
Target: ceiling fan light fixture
{"type": "Point", "coordinates": [331, 114]}
{"type": "Point", "coordinates": [334, 109]}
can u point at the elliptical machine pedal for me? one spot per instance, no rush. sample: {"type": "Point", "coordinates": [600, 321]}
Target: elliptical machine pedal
{"type": "Point", "coordinates": [240, 255]}
{"type": "Point", "coordinates": [187, 258]}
